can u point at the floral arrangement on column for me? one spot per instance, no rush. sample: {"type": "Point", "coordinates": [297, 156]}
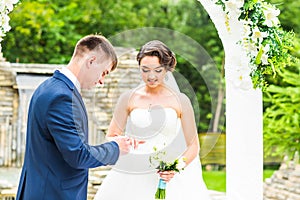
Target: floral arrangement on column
{"type": "Point", "coordinates": [268, 46]}
{"type": "Point", "coordinates": [6, 6]}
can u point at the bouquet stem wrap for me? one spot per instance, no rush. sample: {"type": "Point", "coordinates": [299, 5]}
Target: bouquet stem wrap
{"type": "Point", "coordinates": [161, 190]}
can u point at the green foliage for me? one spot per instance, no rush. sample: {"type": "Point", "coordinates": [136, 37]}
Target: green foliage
{"type": "Point", "coordinates": [282, 116]}
{"type": "Point", "coordinates": [198, 26]}
{"type": "Point", "coordinates": [289, 10]}
{"type": "Point", "coordinates": [267, 43]}
{"type": "Point", "coordinates": [45, 31]}
{"type": "Point", "coordinates": [215, 180]}
{"type": "Point", "coordinates": [276, 44]}
{"type": "Point", "coordinates": [282, 99]}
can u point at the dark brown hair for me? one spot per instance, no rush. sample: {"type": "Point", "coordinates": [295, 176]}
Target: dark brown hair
{"type": "Point", "coordinates": [96, 43]}
{"type": "Point", "coordinates": [157, 48]}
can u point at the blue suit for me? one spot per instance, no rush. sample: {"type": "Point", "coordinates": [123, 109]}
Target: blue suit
{"type": "Point", "coordinates": [57, 155]}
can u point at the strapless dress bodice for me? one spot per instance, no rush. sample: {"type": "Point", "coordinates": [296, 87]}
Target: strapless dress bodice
{"type": "Point", "coordinates": [161, 130]}
{"type": "Point", "coordinates": [157, 127]}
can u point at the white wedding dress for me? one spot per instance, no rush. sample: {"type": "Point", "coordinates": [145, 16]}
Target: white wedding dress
{"type": "Point", "coordinates": [135, 178]}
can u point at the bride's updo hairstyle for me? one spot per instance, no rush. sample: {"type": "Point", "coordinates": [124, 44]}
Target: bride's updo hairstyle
{"type": "Point", "coordinates": [156, 48]}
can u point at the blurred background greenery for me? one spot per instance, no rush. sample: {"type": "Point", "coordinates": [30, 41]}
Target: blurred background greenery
{"type": "Point", "coordinates": [45, 31]}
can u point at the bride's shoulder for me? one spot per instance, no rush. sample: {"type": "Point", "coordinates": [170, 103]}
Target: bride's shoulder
{"type": "Point", "coordinates": [183, 98]}
{"type": "Point", "coordinates": [127, 94]}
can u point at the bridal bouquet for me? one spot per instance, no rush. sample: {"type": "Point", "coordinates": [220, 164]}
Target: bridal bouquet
{"type": "Point", "coordinates": [177, 165]}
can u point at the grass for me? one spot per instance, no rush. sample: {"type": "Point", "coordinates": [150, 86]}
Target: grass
{"type": "Point", "coordinates": [216, 180]}
{"type": "Point", "coordinates": [268, 173]}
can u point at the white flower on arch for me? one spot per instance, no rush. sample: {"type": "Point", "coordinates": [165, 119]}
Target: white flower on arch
{"type": "Point", "coordinates": [258, 36]}
{"type": "Point", "coordinates": [4, 23]}
{"type": "Point", "coordinates": [271, 15]}
{"type": "Point", "coordinates": [6, 6]}
{"type": "Point", "coordinates": [265, 57]}
{"type": "Point", "coordinates": [234, 6]}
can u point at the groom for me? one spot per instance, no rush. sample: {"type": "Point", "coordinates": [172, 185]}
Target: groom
{"type": "Point", "coordinates": [57, 154]}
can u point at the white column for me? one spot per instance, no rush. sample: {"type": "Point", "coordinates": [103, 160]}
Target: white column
{"type": "Point", "coordinates": [244, 158]}
{"type": "Point", "coordinates": [244, 125]}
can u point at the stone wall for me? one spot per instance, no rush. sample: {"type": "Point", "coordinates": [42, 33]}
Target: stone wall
{"type": "Point", "coordinates": [8, 115]}
{"type": "Point", "coordinates": [14, 99]}
{"type": "Point", "coordinates": [284, 184]}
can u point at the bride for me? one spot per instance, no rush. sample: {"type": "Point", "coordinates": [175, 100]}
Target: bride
{"type": "Point", "coordinates": [160, 120]}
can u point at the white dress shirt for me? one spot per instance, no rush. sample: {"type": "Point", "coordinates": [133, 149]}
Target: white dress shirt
{"type": "Point", "coordinates": [71, 76]}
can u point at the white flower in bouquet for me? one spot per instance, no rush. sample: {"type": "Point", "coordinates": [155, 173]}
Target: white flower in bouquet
{"type": "Point", "coordinates": [177, 166]}
{"type": "Point", "coordinates": [181, 163]}
{"type": "Point", "coordinates": [157, 160]}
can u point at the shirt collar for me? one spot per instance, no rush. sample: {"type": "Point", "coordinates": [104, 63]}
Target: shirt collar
{"type": "Point", "coordinates": [72, 77]}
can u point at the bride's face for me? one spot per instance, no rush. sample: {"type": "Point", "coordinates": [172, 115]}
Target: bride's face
{"type": "Point", "coordinates": [152, 72]}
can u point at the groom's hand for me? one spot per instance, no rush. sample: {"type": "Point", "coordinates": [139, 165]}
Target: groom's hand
{"type": "Point", "coordinates": [124, 143]}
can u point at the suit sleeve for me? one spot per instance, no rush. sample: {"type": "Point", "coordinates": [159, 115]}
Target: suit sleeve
{"type": "Point", "coordinates": [67, 124]}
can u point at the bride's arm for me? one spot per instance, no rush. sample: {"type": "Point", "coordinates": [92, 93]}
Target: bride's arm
{"type": "Point", "coordinates": [119, 119]}
{"type": "Point", "coordinates": [190, 134]}
{"type": "Point", "coordinates": [116, 127]}
{"type": "Point", "coordinates": [189, 129]}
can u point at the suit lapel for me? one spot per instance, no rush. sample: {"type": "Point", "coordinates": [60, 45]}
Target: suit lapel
{"type": "Point", "coordinates": [79, 97]}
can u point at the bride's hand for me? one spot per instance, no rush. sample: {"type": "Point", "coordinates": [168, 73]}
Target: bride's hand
{"type": "Point", "coordinates": [135, 143]}
{"type": "Point", "coordinates": [166, 175]}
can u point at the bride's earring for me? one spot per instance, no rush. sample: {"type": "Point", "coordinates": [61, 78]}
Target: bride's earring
{"type": "Point", "coordinates": [166, 78]}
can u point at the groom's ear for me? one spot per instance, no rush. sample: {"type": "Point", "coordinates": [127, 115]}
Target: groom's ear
{"type": "Point", "coordinates": [90, 61]}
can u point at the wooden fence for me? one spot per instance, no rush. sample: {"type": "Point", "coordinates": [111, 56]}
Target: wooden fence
{"type": "Point", "coordinates": [213, 151]}
{"type": "Point", "coordinates": [212, 148]}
